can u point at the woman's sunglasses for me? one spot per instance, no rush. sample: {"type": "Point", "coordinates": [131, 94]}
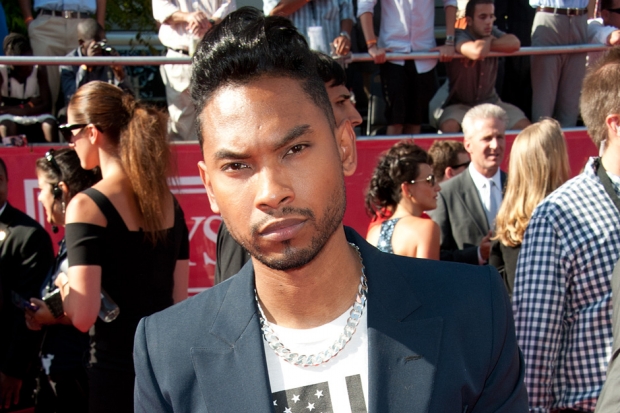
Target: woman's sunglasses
{"type": "Point", "coordinates": [67, 128]}
{"type": "Point", "coordinates": [429, 179]}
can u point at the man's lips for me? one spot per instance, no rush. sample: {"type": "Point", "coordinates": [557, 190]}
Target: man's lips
{"type": "Point", "coordinates": [282, 230]}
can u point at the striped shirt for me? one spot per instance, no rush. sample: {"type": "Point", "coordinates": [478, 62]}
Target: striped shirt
{"type": "Point", "coordinates": [325, 13]}
{"type": "Point", "coordinates": [562, 294]}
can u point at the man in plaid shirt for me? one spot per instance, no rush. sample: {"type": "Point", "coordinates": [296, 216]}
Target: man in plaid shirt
{"type": "Point", "coordinates": [562, 294]}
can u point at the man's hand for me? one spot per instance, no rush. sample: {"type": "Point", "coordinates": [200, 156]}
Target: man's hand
{"type": "Point", "coordinates": [378, 54]}
{"type": "Point", "coordinates": [485, 246]}
{"type": "Point", "coordinates": [197, 23]}
{"type": "Point", "coordinates": [342, 45]}
{"type": "Point", "coordinates": [446, 52]}
{"type": "Point", "coordinates": [9, 390]}
{"type": "Point", "coordinates": [614, 38]}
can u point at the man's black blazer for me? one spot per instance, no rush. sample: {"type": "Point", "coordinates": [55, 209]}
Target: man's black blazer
{"type": "Point", "coordinates": [26, 255]}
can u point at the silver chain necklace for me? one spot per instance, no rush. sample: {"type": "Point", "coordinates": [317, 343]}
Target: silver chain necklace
{"type": "Point", "coordinates": [324, 356]}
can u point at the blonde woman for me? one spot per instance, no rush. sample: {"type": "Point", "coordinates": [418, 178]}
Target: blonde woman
{"type": "Point", "coordinates": [402, 188]}
{"type": "Point", "coordinates": [538, 165]}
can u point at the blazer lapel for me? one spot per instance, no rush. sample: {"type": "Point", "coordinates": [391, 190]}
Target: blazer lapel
{"type": "Point", "coordinates": [231, 368]}
{"type": "Point", "coordinates": [403, 350]}
{"type": "Point", "coordinates": [472, 203]}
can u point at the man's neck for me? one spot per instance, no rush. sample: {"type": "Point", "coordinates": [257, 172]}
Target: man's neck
{"type": "Point", "coordinates": [315, 294]}
{"type": "Point", "coordinates": [611, 157]}
{"type": "Point", "coordinates": [486, 172]}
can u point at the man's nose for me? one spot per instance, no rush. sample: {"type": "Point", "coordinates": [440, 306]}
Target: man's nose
{"type": "Point", "coordinates": [273, 189]}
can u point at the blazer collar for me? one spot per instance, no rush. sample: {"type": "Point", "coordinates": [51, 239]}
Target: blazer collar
{"type": "Point", "coordinates": [403, 350]}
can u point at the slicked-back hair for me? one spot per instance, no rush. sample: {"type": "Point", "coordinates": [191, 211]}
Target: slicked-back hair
{"type": "Point", "coordinates": [600, 94]}
{"type": "Point", "coordinates": [245, 46]}
{"type": "Point", "coordinates": [470, 8]}
{"type": "Point", "coordinates": [330, 70]}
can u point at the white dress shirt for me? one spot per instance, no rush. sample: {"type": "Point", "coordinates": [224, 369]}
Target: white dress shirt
{"type": "Point", "coordinates": [176, 37]}
{"type": "Point", "coordinates": [486, 191]}
{"type": "Point", "coordinates": [406, 26]}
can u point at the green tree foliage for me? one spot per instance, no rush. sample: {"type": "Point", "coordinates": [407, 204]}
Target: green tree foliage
{"type": "Point", "coordinates": [14, 19]}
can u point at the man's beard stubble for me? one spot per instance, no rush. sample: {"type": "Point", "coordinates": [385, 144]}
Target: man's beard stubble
{"type": "Point", "coordinates": [296, 258]}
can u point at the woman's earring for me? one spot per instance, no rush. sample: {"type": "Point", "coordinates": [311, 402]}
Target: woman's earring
{"type": "Point", "coordinates": [63, 207]}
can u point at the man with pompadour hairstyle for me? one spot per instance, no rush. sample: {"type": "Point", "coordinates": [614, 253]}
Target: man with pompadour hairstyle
{"type": "Point", "coordinates": [319, 320]}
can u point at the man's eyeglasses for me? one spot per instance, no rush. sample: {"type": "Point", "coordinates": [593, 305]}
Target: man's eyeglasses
{"type": "Point", "coordinates": [614, 10]}
{"type": "Point", "coordinates": [465, 164]}
{"type": "Point", "coordinates": [66, 130]}
{"type": "Point", "coordinates": [429, 179]}
{"type": "Point", "coordinates": [49, 156]}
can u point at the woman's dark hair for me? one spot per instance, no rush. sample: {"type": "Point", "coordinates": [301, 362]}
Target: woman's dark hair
{"type": "Point", "coordinates": [139, 132]}
{"type": "Point", "coordinates": [401, 163]}
{"type": "Point", "coordinates": [65, 167]}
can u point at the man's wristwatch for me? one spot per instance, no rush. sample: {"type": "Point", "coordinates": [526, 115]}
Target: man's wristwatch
{"type": "Point", "coordinates": [212, 22]}
{"type": "Point", "coordinates": [345, 34]}
{"type": "Point", "coordinates": [449, 40]}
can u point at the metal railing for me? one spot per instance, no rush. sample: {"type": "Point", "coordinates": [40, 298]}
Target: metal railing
{"type": "Point", "coordinates": [355, 57]}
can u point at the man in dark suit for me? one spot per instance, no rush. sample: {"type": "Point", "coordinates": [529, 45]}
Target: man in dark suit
{"type": "Point", "coordinates": [399, 334]}
{"type": "Point", "coordinates": [467, 204]}
{"type": "Point", "coordinates": [25, 258]}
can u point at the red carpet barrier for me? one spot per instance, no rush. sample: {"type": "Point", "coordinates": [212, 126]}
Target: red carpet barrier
{"type": "Point", "coordinates": [203, 223]}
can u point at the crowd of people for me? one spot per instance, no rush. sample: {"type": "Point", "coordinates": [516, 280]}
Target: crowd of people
{"type": "Point", "coordinates": [107, 326]}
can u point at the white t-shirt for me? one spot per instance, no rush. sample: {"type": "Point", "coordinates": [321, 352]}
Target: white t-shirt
{"type": "Point", "coordinates": [338, 386]}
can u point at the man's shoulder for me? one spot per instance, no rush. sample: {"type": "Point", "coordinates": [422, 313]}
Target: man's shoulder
{"type": "Point", "coordinates": [16, 219]}
{"type": "Point", "coordinates": [456, 184]}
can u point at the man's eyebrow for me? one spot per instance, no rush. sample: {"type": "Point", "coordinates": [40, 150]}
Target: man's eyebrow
{"type": "Point", "coordinates": [292, 134]}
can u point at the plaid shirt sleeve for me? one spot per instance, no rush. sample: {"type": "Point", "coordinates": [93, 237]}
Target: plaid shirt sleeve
{"type": "Point", "coordinates": [538, 305]}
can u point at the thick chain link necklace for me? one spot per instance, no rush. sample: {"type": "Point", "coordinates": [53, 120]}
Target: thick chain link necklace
{"type": "Point", "coordinates": [324, 356]}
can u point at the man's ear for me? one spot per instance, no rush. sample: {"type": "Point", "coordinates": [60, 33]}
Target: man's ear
{"type": "Point", "coordinates": [64, 188]}
{"type": "Point", "coordinates": [345, 139]}
{"type": "Point", "coordinates": [469, 20]}
{"type": "Point", "coordinates": [206, 181]}
{"type": "Point", "coordinates": [448, 173]}
{"type": "Point", "coordinates": [613, 126]}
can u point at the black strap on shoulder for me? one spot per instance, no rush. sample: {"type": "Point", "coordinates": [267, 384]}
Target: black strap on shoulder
{"type": "Point", "coordinates": [609, 188]}
{"type": "Point", "coordinates": [109, 211]}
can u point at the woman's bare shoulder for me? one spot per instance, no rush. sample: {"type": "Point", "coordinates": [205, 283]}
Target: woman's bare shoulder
{"type": "Point", "coordinates": [84, 210]}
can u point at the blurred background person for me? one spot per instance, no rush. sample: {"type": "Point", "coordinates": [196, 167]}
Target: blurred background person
{"type": "Point", "coordinates": [92, 41]}
{"type": "Point", "coordinates": [449, 159]}
{"type": "Point", "coordinates": [62, 385]}
{"type": "Point", "coordinates": [52, 28]}
{"type": "Point", "coordinates": [403, 184]}
{"type": "Point", "coordinates": [125, 235]}
{"type": "Point", "coordinates": [26, 100]}
{"type": "Point", "coordinates": [538, 165]}
{"type": "Point", "coordinates": [182, 24]}
{"type": "Point", "coordinates": [26, 255]}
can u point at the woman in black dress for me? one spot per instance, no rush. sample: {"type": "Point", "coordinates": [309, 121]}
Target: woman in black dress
{"type": "Point", "coordinates": [538, 165]}
{"type": "Point", "coordinates": [125, 235]}
{"type": "Point", "coordinates": [63, 386]}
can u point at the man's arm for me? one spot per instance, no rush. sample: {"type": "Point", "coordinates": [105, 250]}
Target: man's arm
{"type": "Point", "coordinates": [100, 13]}
{"type": "Point", "coordinates": [147, 394]}
{"type": "Point", "coordinates": [504, 390]}
{"type": "Point", "coordinates": [227, 7]}
{"type": "Point", "coordinates": [26, 8]}
{"type": "Point", "coordinates": [446, 52]}
{"type": "Point", "coordinates": [287, 7]}
{"type": "Point", "coordinates": [479, 49]}
{"type": "Point", "coordinates": [508, 43]}
{"type": "Point", "coordinates": [538, 302]}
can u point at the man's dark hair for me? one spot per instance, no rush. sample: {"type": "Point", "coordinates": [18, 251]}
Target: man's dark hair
{"type": "Point", "coordinates": [600, 94]}
{"type": "Point", "coordinates": [248, 45]}
{"type": "Point", "coordinates": [16, 44]}
{"type": "Point", "coordinates": [470, 9]}
{"type": "Point", "coordinates": [3, 165]}
{"type": "Point", "coordinates": [445, 154]}
{"type": "Point", "coordinates": [330, 70]}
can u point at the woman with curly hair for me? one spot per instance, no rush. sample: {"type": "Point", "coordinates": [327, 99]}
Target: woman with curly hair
{"type": "Point", "coordinates": [402, 188]}
{"type": "Point", "coordinates": [538, 165]}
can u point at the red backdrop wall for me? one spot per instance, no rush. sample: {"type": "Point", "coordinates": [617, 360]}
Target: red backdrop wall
{"type": "Point", "coordinates": [203, 223]}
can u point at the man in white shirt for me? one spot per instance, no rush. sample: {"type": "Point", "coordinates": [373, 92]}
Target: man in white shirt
{"type": "Point", "coordinates": [183, 24]}
{"type": "Point", "coordinates": [467, 204]}
{"type": "Point", "coordinates": [604, 30]}
{"type": "Point", "coordinates": [408, 85]}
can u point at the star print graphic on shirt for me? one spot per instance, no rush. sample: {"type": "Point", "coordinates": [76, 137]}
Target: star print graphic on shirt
{"type": "Point", "coordinates": [338, 386]}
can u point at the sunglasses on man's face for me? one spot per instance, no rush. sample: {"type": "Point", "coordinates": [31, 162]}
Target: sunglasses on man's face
{"type": "Point", "coordinates": [465, 164]}
{"type": "Point", "coordinates": [429, 179]}
{"type": "Point", "coordinates": [67, 128]}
